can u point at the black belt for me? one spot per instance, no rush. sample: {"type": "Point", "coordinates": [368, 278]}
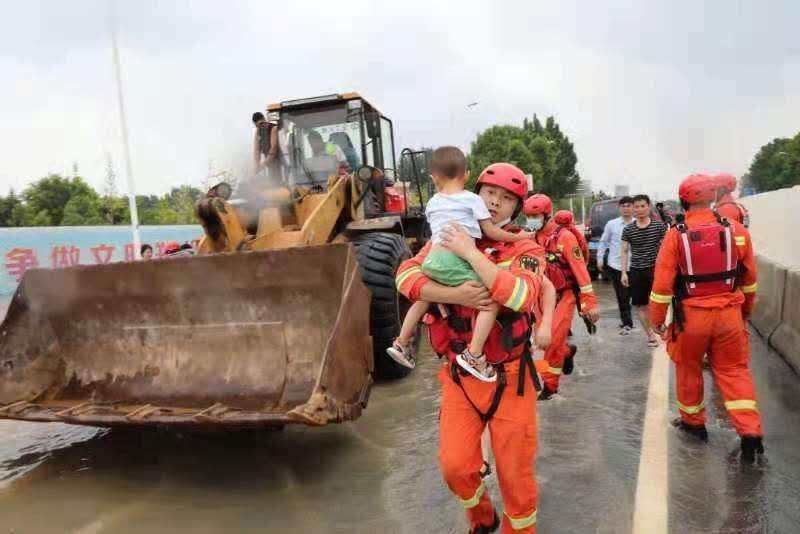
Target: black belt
{"type": "Point", "coordinates": [525, 361]}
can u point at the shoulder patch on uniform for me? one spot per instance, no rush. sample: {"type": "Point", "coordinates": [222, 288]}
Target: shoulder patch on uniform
{"type": "Point", "coordinates": [530, 263]}
{"type": "Point", "coordinates": [576, 251]}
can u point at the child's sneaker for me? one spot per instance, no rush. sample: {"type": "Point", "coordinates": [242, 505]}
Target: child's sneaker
{"type": "Point", "coordinates": [402, 354]}
{"type": "Point", "coordinates": [477, 366]}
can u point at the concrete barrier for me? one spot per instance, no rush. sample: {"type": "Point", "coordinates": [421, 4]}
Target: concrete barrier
{"type": "Point", "coordinates": [786, 338]}
{"type": "Point", "coordinates": [769, 305]}
{"type": "Point", "coordinates": [774, 221]}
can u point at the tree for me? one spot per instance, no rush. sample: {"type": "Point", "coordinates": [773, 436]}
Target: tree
{"type": "Point", "coordinates": [541, 151]}
{"type": "Point", "coordinates": [109, 193]}
{"type": "Point", "coordinates": [32, 218]}
{"type": "Point", "coordinates": [51, 195]}
{"type": "Point", "coordinates": [182, 201]}
{"type": "Point", "coordinates": [55, 201]}
{"type": "Point", "coordinates": [48, 195]}
{"type": "Point", "coordinates": [776, 165]}
{"type": "Point", "coordinates": [8, 206]}
{"type": "Point", "coordinates": [82, 210]}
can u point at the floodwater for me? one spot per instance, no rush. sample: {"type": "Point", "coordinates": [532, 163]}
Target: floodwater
{"type": "Point", "coordinates": [380, 473]}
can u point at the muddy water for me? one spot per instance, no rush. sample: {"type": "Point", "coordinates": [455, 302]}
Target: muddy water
{"type": "Point", "coordinates": [364, 476]}
{"type": "Point", "coordinates": [377, 474]}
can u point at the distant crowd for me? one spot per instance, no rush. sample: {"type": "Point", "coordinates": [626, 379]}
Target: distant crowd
{"type": "Point", "coordinates": [172, 249]}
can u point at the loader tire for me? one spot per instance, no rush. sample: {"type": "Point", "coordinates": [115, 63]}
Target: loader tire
{"type": "Point", "coordinates": [379, 254]}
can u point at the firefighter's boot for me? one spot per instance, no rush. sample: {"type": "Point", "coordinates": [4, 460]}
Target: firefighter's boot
{"type": "Point", "coordinates": [751, 446]}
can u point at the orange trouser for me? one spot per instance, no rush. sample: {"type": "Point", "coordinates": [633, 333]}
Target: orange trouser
{"type": "Point", "coordinates": [513, 433]}
{"type": "Point", "coordinates": [558, 349]}
{"type": "Point", "coordinates": [722, 334]}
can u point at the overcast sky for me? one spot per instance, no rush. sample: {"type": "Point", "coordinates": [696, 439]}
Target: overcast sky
{"type": "Point", "coordinates": [647, 92]}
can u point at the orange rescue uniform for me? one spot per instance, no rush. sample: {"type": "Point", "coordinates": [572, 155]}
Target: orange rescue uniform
{"type": "Point", "coordinates": [730, 209]}
{"type": "Point", "coordinates": [713, 325]}
{"type": "Point", "coordinates": [513, 426]}
{"type": "Point", "coordinates": [566, 247]}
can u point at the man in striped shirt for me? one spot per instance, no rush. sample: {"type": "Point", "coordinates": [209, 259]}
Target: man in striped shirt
{"type": "Point", "coordinates": [641, 241]}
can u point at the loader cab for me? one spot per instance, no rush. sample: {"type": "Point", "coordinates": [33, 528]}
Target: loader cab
{"type": "Point", "coordinates": [331, 134]}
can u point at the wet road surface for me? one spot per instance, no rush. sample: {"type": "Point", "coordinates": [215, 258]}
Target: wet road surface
{"type": "Point", "coordinates": [380, 473]}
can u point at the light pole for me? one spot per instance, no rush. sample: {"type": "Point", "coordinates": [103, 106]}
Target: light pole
{"type": "Point", "coordinates": [137, 242]}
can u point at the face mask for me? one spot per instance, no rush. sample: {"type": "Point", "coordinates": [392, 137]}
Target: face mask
{"type": "Point", "coordinates": [535, 223]}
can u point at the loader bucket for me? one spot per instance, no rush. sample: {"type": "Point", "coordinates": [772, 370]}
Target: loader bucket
{"type": "Point", "coordinates": [247, 339]}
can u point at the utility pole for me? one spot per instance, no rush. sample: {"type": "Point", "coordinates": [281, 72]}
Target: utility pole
{"type": "Point", "coordinates": [137, 242]}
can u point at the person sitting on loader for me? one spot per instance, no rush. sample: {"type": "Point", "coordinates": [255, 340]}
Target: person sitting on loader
{"type": "Point", "coordinates": [342, 140]}
{"type": "Point", "coordinates": [326, 158]}
{"type": "Point", "coordinates": [452, 204]}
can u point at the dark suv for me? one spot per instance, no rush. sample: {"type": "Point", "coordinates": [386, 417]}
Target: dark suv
{"type": "Point", "coordinates": [603, 211]}
{"type": "Point", "coordinates": [599, 214]}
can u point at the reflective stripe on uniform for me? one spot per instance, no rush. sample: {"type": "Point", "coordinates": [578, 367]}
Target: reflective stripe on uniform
{"type": "Point", "coordinates": [660, 299]}
{"type": "Point", "coordinates": [740, 240]}
{"type": "Point", "coordinates": [405, 274]}
{"type": "Point", "coordinates": [750, 289]}
{"type": "Point", "coordinates": [741, 405]}
{"type": "Point", "coordinates": [518, 296]}
{"type": "Point", "coordinates": [691, 410]}
{"type": "Point", "coordinates": [522, 522]}
{"type": "Point", "coordinates": [587, 289]}
{"type": "Point", "coordinates": [554, 370]}
{"type": "Point", "coordinates": [473, 502]}
{"type": "Point", "coordinates": [505, 264]}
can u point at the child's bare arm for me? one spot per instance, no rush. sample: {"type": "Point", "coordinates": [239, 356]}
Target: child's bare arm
{"type": "Point", "coordinates": [496, 233]}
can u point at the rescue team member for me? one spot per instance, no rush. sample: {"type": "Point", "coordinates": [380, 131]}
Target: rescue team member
{"type": "Point", "coordinates": [726, 206]}
{"type": "Point", "coordinates": [513, 277]}
{"type": "Point", "coordinates": [567, 220]}
{"type": "Point", "coordinates": [707, 270]}
{"type": "Point", "coordinates": [566, 269]}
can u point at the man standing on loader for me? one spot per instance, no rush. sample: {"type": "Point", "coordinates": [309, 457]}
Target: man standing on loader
{"type": "Point", "coordinates": [265, 147]}
{"type": "Point", "coordinates": [706, 269]}
{"type": "Point", "coordinates": [567, 270]}
{"type": "Point", "coordinates": [513, 276]}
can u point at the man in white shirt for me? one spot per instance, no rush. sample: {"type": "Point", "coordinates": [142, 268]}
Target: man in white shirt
{"type": "Point", "coordinates": [612, 240]}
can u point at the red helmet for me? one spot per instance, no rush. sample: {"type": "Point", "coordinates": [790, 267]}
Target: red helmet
{"type": "Point", "coordinates": [726, 181]}
{"type": "Point", "coordinates": [504, 175]}
{"type": "Point", "coordinates": [698, 188]}
{"type": "Point", "coordinates": [538, 204]}
{"type": "Point", "coordinates": [171, 248]}
{"type": "Point", "coordinates": [563, 217]}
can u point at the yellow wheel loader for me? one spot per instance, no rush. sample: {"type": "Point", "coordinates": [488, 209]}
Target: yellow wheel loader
{"type": "Point", "coordinates": [283, 316]}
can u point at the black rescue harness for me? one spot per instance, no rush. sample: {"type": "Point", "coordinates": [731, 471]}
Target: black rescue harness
{"type": "Point", "coordinates": [506, 320]}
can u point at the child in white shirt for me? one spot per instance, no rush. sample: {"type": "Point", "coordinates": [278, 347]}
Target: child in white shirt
{"type": "Point", "coordinates": [453, 204]}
